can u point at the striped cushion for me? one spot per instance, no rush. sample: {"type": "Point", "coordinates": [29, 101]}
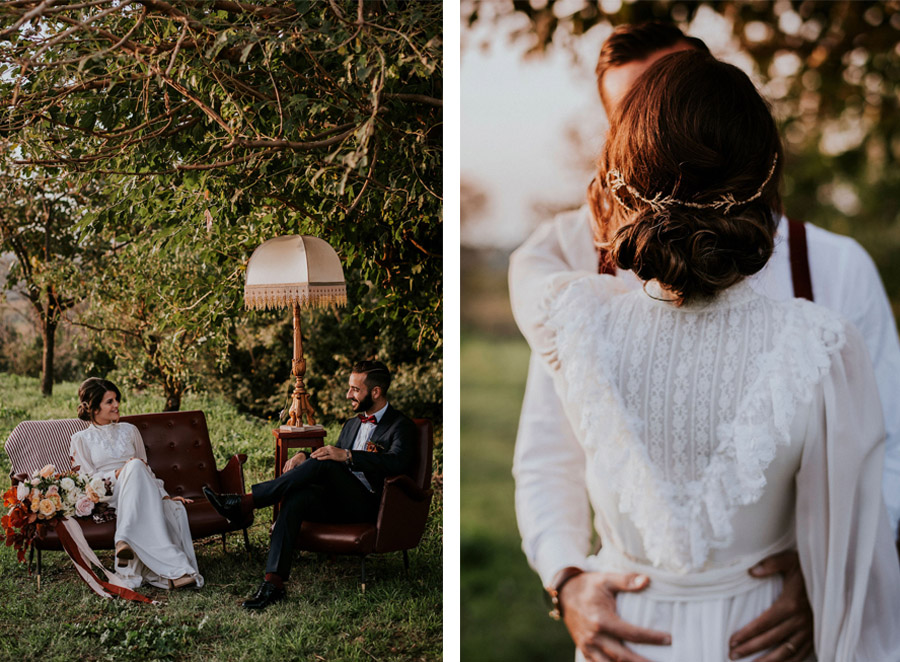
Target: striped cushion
{"type": "Point", "coordinates": [33, 444]}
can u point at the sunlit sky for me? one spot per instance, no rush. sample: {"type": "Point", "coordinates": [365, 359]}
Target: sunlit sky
{"type": "Point", "coordinates": [516, 114]}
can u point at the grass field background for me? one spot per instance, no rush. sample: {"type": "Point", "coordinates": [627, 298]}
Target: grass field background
{"type": "Point", "coordinates": [325, 617]}
{"type": "Point", "coordinates": [503, 613]}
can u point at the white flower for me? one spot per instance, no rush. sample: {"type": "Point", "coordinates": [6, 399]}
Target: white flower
{"type": "Point", "coordinates": [67, 484]}
{"type": "Point", "coordinates": [22, 491]}
{"type": "Point", "coordinates": [99, 486]}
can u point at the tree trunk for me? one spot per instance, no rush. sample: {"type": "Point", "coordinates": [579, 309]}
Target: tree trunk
{"type": "Point", "coordinates": [173, 398]}
{"type": "Point", "coordinates": [48, 334]}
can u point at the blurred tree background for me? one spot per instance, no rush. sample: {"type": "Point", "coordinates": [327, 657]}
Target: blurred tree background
{"type": "Point", "coordinates": [831, 70]}
{"type": "Point", "coordinates": [147, 147]}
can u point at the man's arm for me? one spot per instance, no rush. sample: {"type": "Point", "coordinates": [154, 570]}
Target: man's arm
{"type": "Point", "coordinates": [865, 303]}
{"type": "Point", "coordinates": [397, 458]}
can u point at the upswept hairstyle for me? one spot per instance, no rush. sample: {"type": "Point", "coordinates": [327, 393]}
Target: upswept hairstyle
{"type": "Point", "coordinates": [691, 132]}
{"type": "Point", "coordinates": [630, 43]}
{"type": "Point", "coordinates": [90, 395]}
{"type": "Point", "coordinates": [377, 374]}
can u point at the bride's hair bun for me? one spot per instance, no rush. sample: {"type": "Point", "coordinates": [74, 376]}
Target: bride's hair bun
{"type": "Point", "coordinates": [694, 255]}
{"type": "Point", "coordinates": [689, 177]}
{"type": "Point", "coordinates": [90, 395]}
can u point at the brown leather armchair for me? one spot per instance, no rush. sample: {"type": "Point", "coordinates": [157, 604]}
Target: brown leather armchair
{"type": "Point", "coordinates": [401, 517]}
{"type": "Point", "coordinates": [178, 450]}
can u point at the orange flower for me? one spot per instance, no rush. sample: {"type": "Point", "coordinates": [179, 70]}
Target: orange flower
{"type": "Point", "coordinates": [9, 497]}
{"type": "Point", "coordinates": [92, 494]}
{"type": "Point", "coordinates": [47, 508]}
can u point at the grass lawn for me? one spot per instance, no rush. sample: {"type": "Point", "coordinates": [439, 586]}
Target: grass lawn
{"type": "Point", "coordinates": [325, 617]}
{"type": "Point", "coordinates": [503, 614]}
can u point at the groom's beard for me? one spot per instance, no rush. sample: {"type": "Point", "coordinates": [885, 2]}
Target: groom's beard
{"type": "Point", "coordinates": [364, 405]}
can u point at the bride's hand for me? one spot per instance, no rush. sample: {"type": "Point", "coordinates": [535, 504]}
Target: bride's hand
{"type": "Point", "coordinates": [787, 626]}
{"type": "Point", "coordinates": [588, 604]}
{"type": "Point", "coordinates": [178, 498]}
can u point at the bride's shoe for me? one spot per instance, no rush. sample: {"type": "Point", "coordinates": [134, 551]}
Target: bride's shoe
{"type": "Point", "coordinates": [182, 582]}
{"type": "Point", "coordinates": [124, 553]}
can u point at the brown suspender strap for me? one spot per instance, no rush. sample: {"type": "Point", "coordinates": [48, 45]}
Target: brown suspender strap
{"type": "Point", "coordinates": [799, 260]}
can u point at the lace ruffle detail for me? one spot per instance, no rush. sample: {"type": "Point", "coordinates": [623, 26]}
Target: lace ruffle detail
{"type": "Point", "coordinates": [683, 510]}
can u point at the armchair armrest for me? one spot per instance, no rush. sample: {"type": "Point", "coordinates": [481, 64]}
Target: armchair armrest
{"type": "Point", "coordinates": [402, 515]}
{"type": "Point", "coordinates": [231, 476]}
{"type": "Point", "coordinates": [407, 486]}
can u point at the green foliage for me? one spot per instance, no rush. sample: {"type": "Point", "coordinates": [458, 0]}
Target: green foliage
{"type": "Point", "coordinates": [246, 122]}
{"type": "Point", "coordinates": [498, 591]}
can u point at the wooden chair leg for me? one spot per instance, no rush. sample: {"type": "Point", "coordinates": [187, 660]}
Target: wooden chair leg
{"type": "Point", "coordinates": [39, 569]}
{"type": "Point", "coordinates": [246, 540]}
{"type": "Point", "coordinates": [30, 558]}
{"type": "Point", "coordinates": [224, 546]}
{"type": "Point", "coordinates": [405, 562]}
{"type": "Point", "coordinates": [363, 569]}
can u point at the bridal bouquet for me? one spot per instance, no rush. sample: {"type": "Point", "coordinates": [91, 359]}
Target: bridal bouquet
{"type": "Point", "coordinates": [45, 499]}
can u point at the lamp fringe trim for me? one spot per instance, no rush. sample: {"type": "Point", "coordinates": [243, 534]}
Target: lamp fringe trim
{"type": "Point", "coordinates": [307, 295]}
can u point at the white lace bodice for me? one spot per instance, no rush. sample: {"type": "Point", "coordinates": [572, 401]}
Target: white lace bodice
{"type": "Point", "coordinates": [682, 409]}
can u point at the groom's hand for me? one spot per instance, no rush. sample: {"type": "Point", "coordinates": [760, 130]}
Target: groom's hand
{"type": "Point", "coordinates": [588, 604]}
{"type": "Point", "coordinates": [787, 626]}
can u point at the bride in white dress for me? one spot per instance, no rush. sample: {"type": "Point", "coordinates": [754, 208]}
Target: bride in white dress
{"type": "Point", "coordinates": [153, 537]}
{"type": "Point", "coordinates": [720, 427]}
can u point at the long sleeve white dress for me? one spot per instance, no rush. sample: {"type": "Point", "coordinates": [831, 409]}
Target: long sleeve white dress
{"type": "Point", "coordinates": [715, 435]}
{"type": "Point", "coordinates": [157, 529]}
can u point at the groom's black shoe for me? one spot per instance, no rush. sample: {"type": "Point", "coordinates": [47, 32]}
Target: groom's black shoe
{"type": "Point", "coordinates": [227, 505]}
{"type": "Point", "coordinates": [267, 594]}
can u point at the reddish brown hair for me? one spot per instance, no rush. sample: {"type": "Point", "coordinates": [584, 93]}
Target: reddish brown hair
{"type": "Point", "coordinates": [693, 129]}
{"type": "Point", "coordinates": [631, 43]}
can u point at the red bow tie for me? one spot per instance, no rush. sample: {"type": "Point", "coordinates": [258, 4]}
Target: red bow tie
{"type": "Point", "coordinates": [367, 419]}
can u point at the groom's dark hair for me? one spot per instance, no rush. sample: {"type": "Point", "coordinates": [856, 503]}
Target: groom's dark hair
{"type": "Point", "coordinates": [377, 374]}
{"type": "Point", "coordinates": [631, 43]}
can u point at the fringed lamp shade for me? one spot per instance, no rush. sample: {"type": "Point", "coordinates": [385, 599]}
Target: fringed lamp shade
{"type": "Point", "coordinates": [297, 271]}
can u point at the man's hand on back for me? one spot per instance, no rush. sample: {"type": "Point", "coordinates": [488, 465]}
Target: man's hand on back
{"type": "Point", "coordinates": [588, 604]}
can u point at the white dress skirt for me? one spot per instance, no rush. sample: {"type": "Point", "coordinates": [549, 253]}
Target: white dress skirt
{"type": "Point", "coordinates": [155, 527]}
{"type": "Point", "coordinates": [717, 434]}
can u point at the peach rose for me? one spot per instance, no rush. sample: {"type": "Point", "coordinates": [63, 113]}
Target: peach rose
{"type": "Point", "coordinates": [56, 500]}
{"type": "Point", "coordinates": [53, 489]}
{"type": "Point", "coordinates": [35, 502]}
{"type": "Point", "coordinates": [48, 471]}
{"type": "Point", "coordinates": [91, 494]}
{"type": "Point", "coordinates": [47, 508]}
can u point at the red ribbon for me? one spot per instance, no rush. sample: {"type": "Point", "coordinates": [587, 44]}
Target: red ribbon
{"type": "Point", "coordinates": [68, 544]}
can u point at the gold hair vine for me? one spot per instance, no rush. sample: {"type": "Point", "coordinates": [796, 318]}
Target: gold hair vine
{"type": "Point", "coordinates": [658, 203]}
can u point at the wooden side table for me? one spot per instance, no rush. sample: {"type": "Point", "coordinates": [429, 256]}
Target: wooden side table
{"type": "Point", "coordinates": [286, 440]}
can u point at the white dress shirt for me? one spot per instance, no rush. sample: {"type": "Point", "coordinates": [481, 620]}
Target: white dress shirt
{"type": "Point", "coordinates": [552, 504]}
{"type": "Point", "coordinates": [362, 438]}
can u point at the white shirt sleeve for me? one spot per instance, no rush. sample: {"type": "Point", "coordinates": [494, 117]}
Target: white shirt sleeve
{"type": "Point", "coordinates": [866, 305]}
{"type": "Point", "coordinates": [552, 504]}
{"type": "Point", "coordinates": [843, 538]}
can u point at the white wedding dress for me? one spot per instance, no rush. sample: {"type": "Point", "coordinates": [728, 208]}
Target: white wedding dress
{"type": "Point", "coordinates": [718, 434]}
{"type": "Point", "coordinates": [157, 529]}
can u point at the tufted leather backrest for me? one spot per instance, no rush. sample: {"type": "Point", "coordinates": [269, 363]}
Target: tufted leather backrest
{"type": "Point", "coordinates": [421, 472]}
{"type": "Point", "coordinates": [178, 450]}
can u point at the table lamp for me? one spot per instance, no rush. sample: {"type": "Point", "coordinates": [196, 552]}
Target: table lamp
{"type": "Point", "coordinates": [296, 271]}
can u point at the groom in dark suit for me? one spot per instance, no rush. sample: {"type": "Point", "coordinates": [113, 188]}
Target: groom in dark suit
{"type": "Point", "coordinates": [341, 483]}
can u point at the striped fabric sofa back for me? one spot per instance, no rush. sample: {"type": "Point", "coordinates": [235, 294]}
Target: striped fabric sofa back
{"type": "Point", "coordinates": [33, 444]}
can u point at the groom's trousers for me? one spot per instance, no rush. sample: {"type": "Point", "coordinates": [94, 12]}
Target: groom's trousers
{"type": "Point", "coordinates": [315, 491]}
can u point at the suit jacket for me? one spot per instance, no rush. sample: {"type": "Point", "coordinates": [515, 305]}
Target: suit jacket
{"type": "Point", "coordinates": [394, 437]}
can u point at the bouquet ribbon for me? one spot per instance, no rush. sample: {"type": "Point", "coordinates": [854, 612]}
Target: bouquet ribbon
{"type": "Point", "coordinates": [75, 545]}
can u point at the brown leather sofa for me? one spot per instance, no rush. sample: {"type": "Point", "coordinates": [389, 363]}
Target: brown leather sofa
{"type": "Point", "coordinates": [401, 517]}
{"type": "Point", "coordinates": [178, 451]}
